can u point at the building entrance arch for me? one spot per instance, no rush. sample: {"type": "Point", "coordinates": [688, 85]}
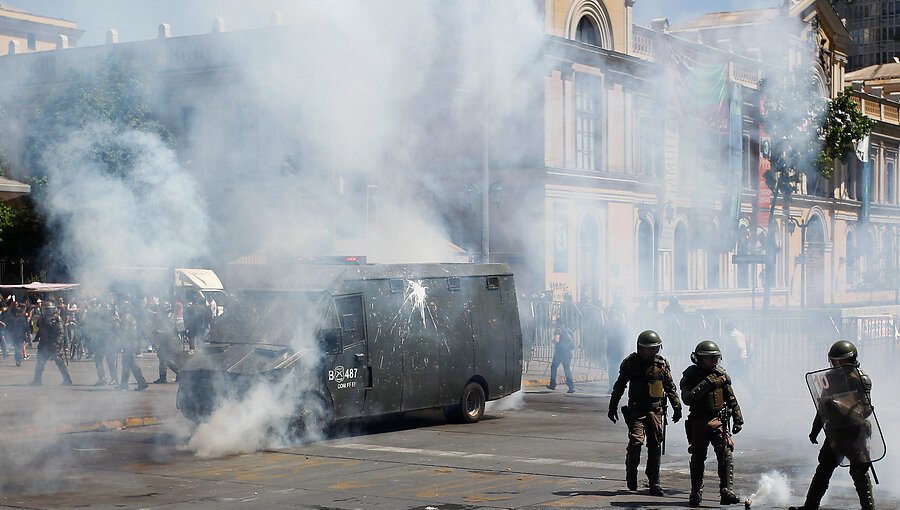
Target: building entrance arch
{"type": "Point", "coordinates": [815, 263]}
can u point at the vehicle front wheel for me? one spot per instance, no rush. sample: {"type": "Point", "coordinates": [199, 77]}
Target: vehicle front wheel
{"type": "Point", "coordinates": [471, 405]}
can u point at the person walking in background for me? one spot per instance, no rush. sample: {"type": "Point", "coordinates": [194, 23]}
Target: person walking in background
{"type": "Point", "coordinates": [130, 348]}
{"type": "Point", "coordinates": [616, 337]}
{"type": "Point", "coordinates": [51, 344]}
{"type": "Point", "coordinates": [738, 357]}
{"type": "Point", "coordinates": [17, 331]}
{"type": "Point", "coordinates": [164, 339]}
{"type": "Point", "coordinates": [563, 346]}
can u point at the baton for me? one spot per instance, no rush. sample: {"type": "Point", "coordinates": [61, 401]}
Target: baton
{"type": "Point", "coordinates": [874, 476]}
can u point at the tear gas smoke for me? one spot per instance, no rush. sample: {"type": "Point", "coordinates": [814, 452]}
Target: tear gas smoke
{"type": "Point", "coordinates": [774, 489]}
{"type": "Point", "coordinates": [146, 218]}
{"type": "Point", "coordinates": [513, 402]}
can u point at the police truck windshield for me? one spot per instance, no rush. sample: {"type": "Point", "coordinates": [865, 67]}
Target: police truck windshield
{"type": "Point", "coordinates": [272, 318]}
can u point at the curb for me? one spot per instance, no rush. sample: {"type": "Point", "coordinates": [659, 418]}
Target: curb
{"type": "Point", "coordinates": [77, 428]}
{"type": "Point", "coordinates": [533, 382]}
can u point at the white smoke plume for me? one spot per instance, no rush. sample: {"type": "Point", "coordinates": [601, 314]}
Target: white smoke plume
{"type": "Point", "coordinates": [774, 489]}
{"type": "Point", "coordinates": [147, 218]}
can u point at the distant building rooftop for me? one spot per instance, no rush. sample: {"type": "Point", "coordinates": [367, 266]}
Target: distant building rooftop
{"type": "Point", "coordinates": [876, 72]}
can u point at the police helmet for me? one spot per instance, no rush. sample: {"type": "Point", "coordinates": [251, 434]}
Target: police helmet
{"type": "Point", "coordinates": [841, 350]}
{"type": "Point", "coordinates": [49, 305]}
{"type": "Point", "coordinates": [705, 348]}
{"type": "Point", "coordinates": [649, 338]}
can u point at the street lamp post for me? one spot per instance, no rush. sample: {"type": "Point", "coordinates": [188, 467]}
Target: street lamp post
{"type": "Point", "coordinates": [486, 186]}
{"type": "Point", "coordinates": [792, 226]}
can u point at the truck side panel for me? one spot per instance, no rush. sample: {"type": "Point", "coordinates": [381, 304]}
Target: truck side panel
{"type": "Point", "coordinates": [385, 359]}
{"type": "Point", "coordinates": [456, 349]}
{"type": "Point", "coordinates": [491, 334]}
{"type": "Point", "coordinates": [514, 338]}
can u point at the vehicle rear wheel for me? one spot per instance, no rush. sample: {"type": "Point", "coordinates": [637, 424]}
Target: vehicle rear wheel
{"type": "Point", "coordinates": [471, 405]}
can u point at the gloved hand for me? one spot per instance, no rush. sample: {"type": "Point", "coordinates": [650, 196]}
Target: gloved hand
{"type": "Point", "coordinates": [613, 414]}
{"type": "Point", "coordinates": [676, 415]}
{"type": "Point", "coordinates": [813, 438]}
{"type": "Point", "coordinates": [737, 427]}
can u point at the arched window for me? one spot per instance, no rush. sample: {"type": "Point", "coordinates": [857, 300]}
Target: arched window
{"type": "Point", "coordinates": [681, 257]}
{"type": "Point", "coordinates": [587, 32]}
{"type": "Point", "coordinates": [646, 257]}
{"type": "Point", "coordinates": [588, 22]}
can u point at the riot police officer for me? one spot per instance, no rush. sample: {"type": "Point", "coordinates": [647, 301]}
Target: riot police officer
{"type": "Point", "coordinates": [649, 380]}
{"type": "Point", "coordinates": [841, 442]}
{"type": "Point", "coordinates": [51, 343]}
{"type": "Point", "coordinates": [706, 389]}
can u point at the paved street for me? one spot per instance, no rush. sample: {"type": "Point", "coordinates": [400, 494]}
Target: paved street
{"type": "Point", "coordinates": [544, 450]}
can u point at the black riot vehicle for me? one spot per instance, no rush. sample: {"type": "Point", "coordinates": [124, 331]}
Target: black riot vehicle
{"type": "Point", "coordinates": [361, 340]}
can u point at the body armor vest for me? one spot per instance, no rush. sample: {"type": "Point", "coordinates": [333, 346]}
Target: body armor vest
{"type": "Point", "coordinates": [645, 385]}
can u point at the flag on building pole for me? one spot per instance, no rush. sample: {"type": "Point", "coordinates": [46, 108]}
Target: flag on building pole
{"type": "Point", "coordinates": [862, 153]}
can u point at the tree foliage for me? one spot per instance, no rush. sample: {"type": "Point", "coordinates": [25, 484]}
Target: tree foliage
{"type": "Point", "coordinates": [114, 92]}
{"type": "Point", "coordinates": [845, 125]}
{"type": "Point", "coordinates": [806, 133]}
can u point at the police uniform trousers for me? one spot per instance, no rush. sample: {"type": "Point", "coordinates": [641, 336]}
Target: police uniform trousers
{"type": "Point", "coordinates": [703, 432]}
{"type": "Point", "coordinates": [46, 354]}
{"type": "Point", "coordinates": [829, 460]}
{"type": "Point", "coordinates": [130, 367]}
{"type": "Point", "coordinates": [104, 351]}
{"type": "Point", "coordinates": [644, 425]}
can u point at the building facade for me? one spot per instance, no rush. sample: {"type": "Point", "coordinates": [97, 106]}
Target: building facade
{"type": "Point", "coordinates": [638, 173]}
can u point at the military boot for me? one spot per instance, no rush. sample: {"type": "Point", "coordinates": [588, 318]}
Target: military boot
{"type": "Point", "coordinates": [696, 483]}
{"type": "Point", "coordinates": [817, 488]}
{"type": "Point", "coordinates": [632, 459]}
{"type": "Point", "coordinates": [863, 485]}
{"type": "Point", "coordinates": [726, 480]}
{"type": "Point", "coordinates": [654, 457]}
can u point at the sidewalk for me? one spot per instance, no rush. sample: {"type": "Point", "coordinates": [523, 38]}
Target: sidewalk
{"type": "Point", "coordinates": [538, 374]}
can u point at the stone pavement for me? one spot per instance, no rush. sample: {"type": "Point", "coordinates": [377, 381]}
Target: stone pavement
{"type": "Point", "coordinates": [32, 411]}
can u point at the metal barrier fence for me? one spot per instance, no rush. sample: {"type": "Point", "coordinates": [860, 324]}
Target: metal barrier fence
{"type": "Point", "coordinates": [878, 341]}
{"type": "Point", "coordinates": [781, 346]}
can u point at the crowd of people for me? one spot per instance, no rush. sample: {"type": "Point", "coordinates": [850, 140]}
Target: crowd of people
{"type": "Point", "coordinates": [111, 331]}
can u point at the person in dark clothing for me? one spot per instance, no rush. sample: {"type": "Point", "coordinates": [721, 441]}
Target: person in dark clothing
{"type": "Point", "coordinates": [706, 389]}
{"type": "Point", "coordinates": [51, 343]}
{"type": "Point", "coordinates": [130, 348]}
{"type": "Point", "coordinates": [165, 340]}
{"type": "Point", "coordinates": [842, 438]}
{"type": "Point", "coordinates": [564, 345]}
{"type": "Point", "coordinates": [16, 330]}
{"type": "Point", "coordinates": [649, 380]}
{"type": "Point", "coordinates": [616, 337]}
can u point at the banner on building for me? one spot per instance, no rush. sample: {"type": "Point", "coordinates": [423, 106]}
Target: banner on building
{"type": "Point", "coordinates": [735, 159]}
{"type": "Point", "coordinates": [865, 198]}
{"type": "Point", "coordinates": [700, 89]}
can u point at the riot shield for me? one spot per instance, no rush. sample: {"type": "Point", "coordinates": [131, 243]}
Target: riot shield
{"type": "Point", "coordinates": [847, 415]}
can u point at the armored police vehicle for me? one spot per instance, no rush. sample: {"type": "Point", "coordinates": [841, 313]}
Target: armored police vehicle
{"type": "Point", "coordinates": [361, 339]}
